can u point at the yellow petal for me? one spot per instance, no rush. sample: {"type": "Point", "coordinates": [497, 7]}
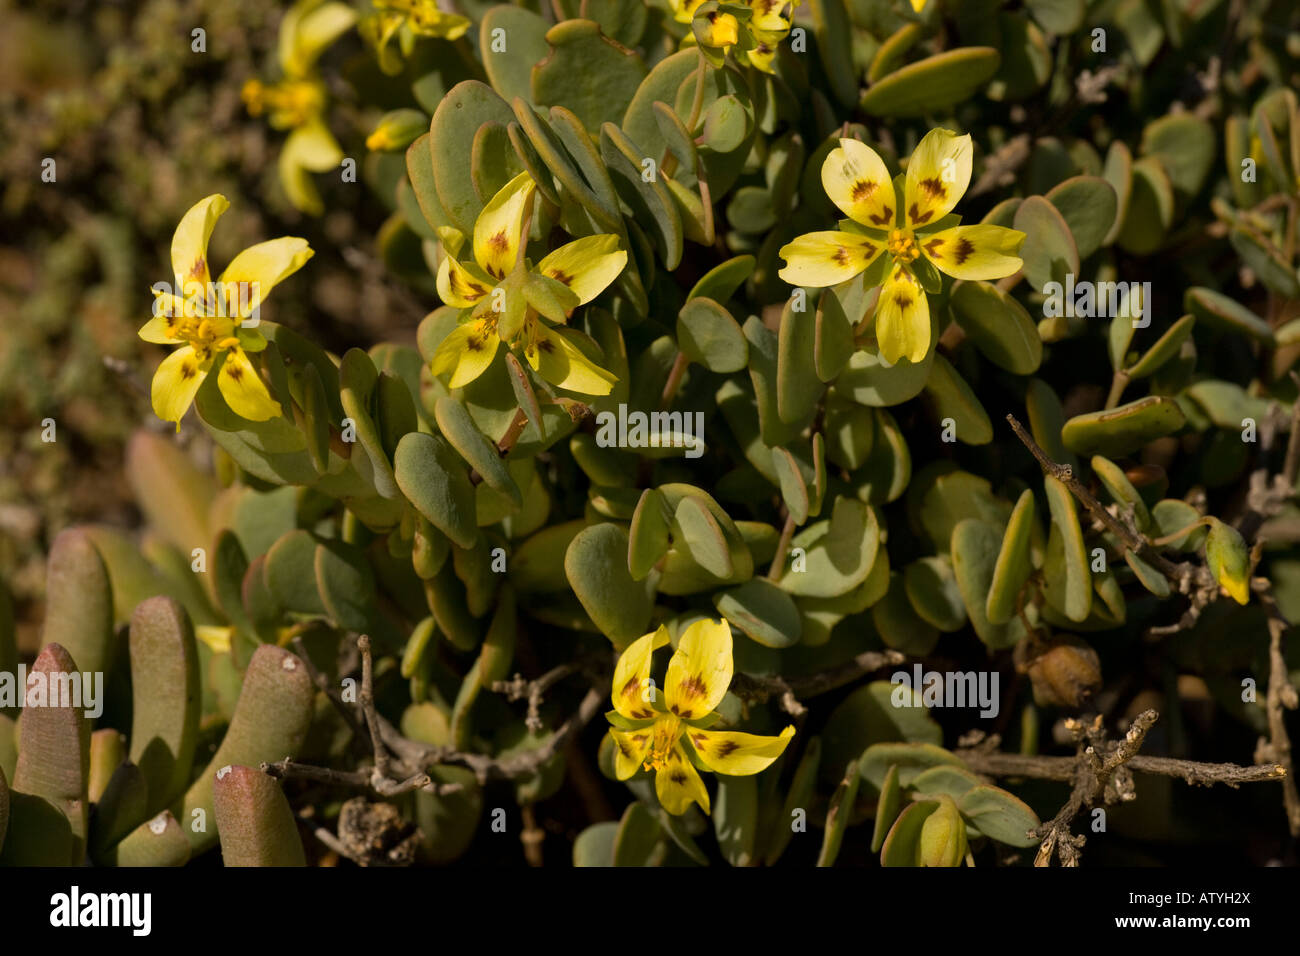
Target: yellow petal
{"type": "Point", "coordinates": [737, 754]}
{"type": "Point", "coordinates": [974, 252]}
{"type": "Point", "coordinates": [632, 673]}
{"type": "Point", "coordinates": [174, 384]}
{"type": "Point", "coordinates": [768, 16]}
{"type": "Point", "coordinates": [306, 31]}
{"type": "Point", "coordinates": [678, 785]}
{"type": "Point", "coordinates": [763, 54]}
{"type": "Point", "coordinates": [684, 10]}
{"type": "Point", "coordinates": [919, 5]}
{"type": "Point", "coordinates": [937, 176]}
{"type": "Point", "coordinates": [722, 31]}
{"type": "Point", "coordinates": [244, 390]}
{"type": "Point", "coordinates": [902, 318]}
{"type": "Point", "coordinates": [168, 310]}
{"type": "Point", "coordinates": [561, 363]}
{"type": "Point", "coordinates": [190, 243]}
{"type": "Point", "coordinates": [313, 147]}
{"type": "Point", "coordinates": [629, 751]}
{"type": "Point", "coordinates": [586, 266]}
{"type": "Point", "coordinates": [466, 352]}
{"type": "Point", "coordinates": [700, 670]}
{"type": "Point", "coordinates": [827, 258]}
{"type": "Point", "coordinates": [296, 181]}
{"type": "Point", "coordinates": [496, 231]}
{"type": "Point", "coordinates": [460, 284]}
{"type": "Point", "coordinates": [253, 273]}
{"type": "Point", "coordinates": [856, 179]}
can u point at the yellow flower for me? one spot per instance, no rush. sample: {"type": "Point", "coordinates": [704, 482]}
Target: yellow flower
{"type": "Point", "coordinates": [297, 101]}
{"type": "Point", "coordinates": [509, 296]}
{"type": "Point", "coordinates": [405, 20]}
{"type": "Point", "coordinates": [207, 318]}
{"type": "Point", "coordinates": [911, 234]}
{"type": "Point", "coordinates": [671, 737]}
{"type": "Point", "coordinates": [765, 24]}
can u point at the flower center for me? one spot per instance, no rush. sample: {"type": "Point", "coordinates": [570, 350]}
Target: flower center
{"type": "Point", "coordinates": [902, 245]}
{"type": "Point", "coordinates": [666, 732]}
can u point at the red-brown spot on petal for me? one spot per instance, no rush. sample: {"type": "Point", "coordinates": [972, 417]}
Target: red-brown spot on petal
{"type": "Point", "coordinates": [965, 248]}
{"type": "Point", "coordinates": [884, 218]}
{"type": "Point", "coordinates": [932, 248]}
{"type": "Point", "coordinates": [917, 216]}
{"type": "Point", "coordinates": [934, 187]}
{"type": "Point", "coordinates": [862, 189]}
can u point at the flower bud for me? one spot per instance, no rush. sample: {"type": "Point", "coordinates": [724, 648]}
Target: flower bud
{"type": "Point", "coordinates": [397, 130]}
{"type": "Point", "coordinates": [943, 836]}
{"type": "Point", "coordinates": [1067, 674]}
{"type": "Point", "coordinates": [1228, 560]}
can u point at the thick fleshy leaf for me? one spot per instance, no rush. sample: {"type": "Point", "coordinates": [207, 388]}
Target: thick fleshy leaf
{"type": "Point", "coordinates": [933, 84]}
{"type": "Point", "coordinates": [999, 815]}
{"type": "Point", "coordinates": [1013, 565]}
{"type": "Point", "coordinates": [595, 564]}
{"type": "Point", "coordinates": [708, 335]}
{"type": "Point", "coordinates": [998, 325]}
{"type": "Point", "coordinates": [764, 612]}
{"type": "Point", "coordinates": [1050, 253]}
{"type": "Point", "coordinates": [434, 478]}
{"type": "Point", "coordinates": [1066, 573]}
{"type": "Point", "coordinates": [1118, 431]}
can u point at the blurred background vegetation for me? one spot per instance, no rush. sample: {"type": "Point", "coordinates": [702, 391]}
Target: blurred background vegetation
{"type": "Point", "coordinates": [140, 126]}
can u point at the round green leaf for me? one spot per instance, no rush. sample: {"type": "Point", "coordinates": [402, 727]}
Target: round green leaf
{"type": "Point", "coordinates": [709, 336]}
{"type": "Point", "coordinates": [932, 84]}
{"type": "Point", "coordinates": [596, 567]}
{"type": "Point", "coordinates": [763, 611]}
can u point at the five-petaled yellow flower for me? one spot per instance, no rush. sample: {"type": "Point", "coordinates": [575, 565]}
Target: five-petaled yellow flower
{"type": "Point", "coordinates": [917, 228]}
{"type": "Point", "coordinates": [509, 296]}
{"type": "Point", "coordinates": [671, 737]}
{"type": "Point", "coordinates": [297, 101]}
{"type": "Point", "coordinates": [207, 318]}
{"type": "Point", "coordinates": [768, 23]}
